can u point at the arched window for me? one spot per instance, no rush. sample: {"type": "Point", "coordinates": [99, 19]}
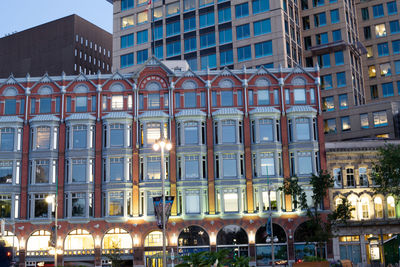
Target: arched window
{"type": "Point", "coordinates": [194, 238]}
{"type": "Point", "coordinates": [117, 238]}
{"type": "Point", "coordinates": [154, 239]}
{"type": "Point", "coordinates": [353, 205]}
{"type": "Point", "coordinates": [378, 208]}
{"type": "Point", "coordinates": [79, 239]}
{"type": "Point", "coordinates": [263, 249]}
{"type": "Point", "coordinates": [235, 238]}
{"type": "Point", "coordinates": [391, 207]}
{"type": "Point", "coordinates": [365, 207]}
{"type": "Point", "coordinates": [38, 241]}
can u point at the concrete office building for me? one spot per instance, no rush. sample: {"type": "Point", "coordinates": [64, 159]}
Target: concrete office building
{"type": "Point", "coordinates": [89, 138]}
{"type": "Point", "coordinates": [70, 44]}
{"type": "Point", "coordinates": [207, 33]}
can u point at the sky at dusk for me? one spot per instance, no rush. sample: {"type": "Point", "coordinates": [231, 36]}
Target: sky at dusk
{"type": "Point", "coordinates": [19, 15]}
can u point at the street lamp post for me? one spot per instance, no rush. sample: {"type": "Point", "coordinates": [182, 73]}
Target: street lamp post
{"type": "Point", "coordinates": [163, 144]}
{"type": "Point", "coordinates": [53, 200]}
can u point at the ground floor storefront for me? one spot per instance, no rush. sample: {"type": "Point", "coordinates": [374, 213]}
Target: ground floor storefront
{"type": "Point", "coordinates": [139, 243]}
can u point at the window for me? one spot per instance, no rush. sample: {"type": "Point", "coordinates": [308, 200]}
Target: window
{"type": "Point", "coordinates": [226, 98]}
{"type": "Point", "coordinates": [78, 171]}
{"type": "Point", "coordinates": [335, 16]}
{"type": "Point", "coordinates": [116, 204]}
{"type": "Point", "coordinates": [397, 66]}
{"type": "Point", "coordinates": [244, 53]}
{"type": "Point", "coordinates": [207, 40]}
{"type": "Point", "coordinates": [205, 2]}
{"type": "Point", "coordinates": [267, 164]}
{"type": "Point", "coordinates": [79, 136]}
{"type": "Point", "coordinates": [116, 169]}
{"type": "Point", "coordinates": [6, 207]}
{"type": "Point", "coordinates": [44, 105]}
{"type": "Point", "coordinates": [117, 102]}
{"type": "Point", "coordinates": [339, 59]}
{"type": "Point", "coordinates": [142, 17]}
{"type": "Point", "coordinates": [262, 27]}
{"type": "Point", "coordinates": [380, 119]}
{"type": "Point", "coordinates": [266, 130]}
{"type": "Point", "coordinates": [158, 51]}
{"type": "Point", "coordinates": [6, 173]}
{"type": "Point", "coordinates": [173, 28]}
{"type": "Point", "coordinates": [243, 31]}
{"type": "Point", "coordinates": [242, 10]}
{"type": "Point", "coordinates": [260, 6]}
{"type": "Point", "coordinates": [322, 38]}
{"type": "Point", "coordinates": [341, 79]}
{"type": "Point", "coordinates": [226, 57]}
{"type": "Point", "coordinates": [303, 129]}
{"type": "Point", "coordinates": [364, 121]}
{"type": "Point", "coordinates": [305, 163]}
{"type": "Point", "coordinates": [189, 5]}
{"type": "Point", "coordinates": [320, 19]}
{"type": "Point", "coordinates": [377, 11]}
{"type": "Point", "coordinates": [362, 175]}
{"type": "Point", "coordinates": [328, 103]}
{"type": "Point", "coordinates": [43, 137]}
{"type": "Point", "coordinates": [127, 22]}
{"type": "Point", "coordinates": [324, 60]}
{"type": "Point", "coordinates": [345, 123]}
{"type": "Point", "coordinates": [224, 15]}
{"type": "Point", "coordinates": [336, 35]}
{"type": "Point", "coordinates": [192, 166]}
{"type": "Point", "coordinates": [157, 13]}
{"type": "Point", "coordinates": [391, 207]}
{"type": "Point", "coordinates": [343, 101]}
{"type": "Point", "coordinates": [394, 27]}
{"type": "Point", "coordinates": [392, 8]}
{"type": "Point", "coordinates": [173, 48]}
{"type": "Point", "coordinates": [372, 71]}
{"type": "Point", "coordinates": [10, 106]}
{"type": "Point", "coordinates": [299, 96]}
{"type": "Point", "coordinates": [81, 104]}
{"type": "Point", "coordinates": [127, 60]}
{"type": "Point", "coordinates": [153, 133]}
{"type": "Point", "coordinates": [229, 165]}
{"type": "Point", "coordinates": [42, 171]}
{"type": "Point", "coordinates": [153, 101]}
{"type": "Point", "coordinates": [231, 201]}
{"type": "Point", "coordinates": [365, 13]}
{"type": "Point", "coordinates": [263, 49]}
{"type": "Point", "coordinates": [386, 69]}
{"type": "Point", "coordinates": [263, 97]}
{"type": "Point", "coordinates": [396, 47]}
{"type": "Point", "coordinates": [370, 52]}
{"type": "Point", "coordinates": [330, 126]}
{"type": "Point", "coordinates": [117, 135]}
{"type": "Point", "coordinates": [127, 40]}
{"type": "Point", "coordinates": [206, 19]}
{"type": "Point", "coordinates": [374, 91]}
{"type": "Point", "coordinates": [387, 89]}
{"type": "Point", "coordinates": [367, 33]}
{"type": "Point", "coordinates": [142, 56]}
{"type": "Point", "coordinates": [7, 139]}
{"type": "Point", "coordinates": [190, 99]}
{"type": "Point", "coordinates": [228, 131]}
{"type": "Point", "coordinates": [172, 9]}
{"type": "Point", "coordinates": [306, 23]}
{"type": "Point", "coordinates": [192, 201]}
{"type": "Point", "coordinates": [380, 30]}
{"type": "Point", "coordinates": [326, 82]}
{"type": "Point", "coordinates": [41, 207]}
{"type": "Point", "coordinates": [318, 3]}
{"type": "Point", "coordinates": [225, 36]}
{"type": "Point", "coordinates": [350, 177]}
{"type": "Point", "coordinates": [191, 133]}
{"type": "Point", "coordinates": [142, 37]}
{"type": "Point", "coordinates": [190, 44]}
{"type": "Point", "coordinates": [189, 24]}
{"type": "Point", "coordinates": [365, 207]}
{"type": "Point", "coordinates": [208, 61]}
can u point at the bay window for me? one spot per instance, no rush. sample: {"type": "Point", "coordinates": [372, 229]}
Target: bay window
{"type": "Point", "coordinates": [267, 164]}
{"type": "Point", "coordinates": [266, 130]}
{"type": "Point", "coordinates": [192, 202]}
{"type": "Point", "coordinates": [78, 205]}
{"type": "Point", "coordinates": [5, 206]}
{"type": "Point", "coordinates": [43, 171]}
{"type": "Point", "coordinates": [39, 206]}
{"type": "Point", "coordinates": [6, 172]}
{"type": "Point", "coordinates": [305, 166]}
{"type": "Point", "coordinates": [79, 170]}
{"type": "Point", "coordinates": [7, 139]}
{"type": "Point", "coordinates": [116, 169]}
{"type": "Point", "coordinates": [303, 129]}
{"type": "Point", "coordinates": [116, 203]}
{"type": "Point", "coordinates": [153, 168]}
{"type": "Point", "coordinates": [231, 200]}
{"type": "Point", "coordinates": [43, 137]}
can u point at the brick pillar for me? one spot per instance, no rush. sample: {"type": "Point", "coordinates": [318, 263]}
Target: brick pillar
{"type": "Point", "coordinates": [322, 153]}
{"type": "Point", "coordinates": [24, 172]}
{"type": "Point", "coordinates": [135, 171]}
{"type": "Point", "coordinates": [61, 170]}
{"type": "Point", "coordinates": [285, 157]}
{"type": "Point", "coordinates": [210, 166]}
{"type": "Point", "coordinates": [172, 168]}
{"type": "Point", "coordinates": [97, 172]}
{"type": "Point", "coordinates": [97, 257]}
{"type": "Point", "coordinates": [248, 167]}
{"type": "Point", "coordinates": [22, 253]}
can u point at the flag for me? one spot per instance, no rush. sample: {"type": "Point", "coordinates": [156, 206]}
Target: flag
{"type": "Point", "coordinates": [148, 4]}
{"type": "Point", "coordinates": [268, 227]}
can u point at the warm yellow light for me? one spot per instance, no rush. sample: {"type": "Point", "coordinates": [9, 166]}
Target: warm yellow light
{"type": "Point", "coordinates": [50, 199]}
{"type": "Point", "coordinates": [162, 144]}
{"type": "Point", "coordinates": [213, 239]}
{"type": "Point", "coordinates": [156, 147]}
{"type": "Point", "coordinates": [98, 241]}
{"type": "Point", "coordinates": [252, 237]}
{"type": "Point", "coordinates": [168, 146]}
{"type": "Point", "coordinates": [136, 241]}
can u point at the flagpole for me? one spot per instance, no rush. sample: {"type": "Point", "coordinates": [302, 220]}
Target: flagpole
{"type": "Point", "coordinates": [153, 48]}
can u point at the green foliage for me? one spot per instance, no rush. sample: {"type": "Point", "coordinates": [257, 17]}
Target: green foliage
{"type": "Point", "coordinates": [386, 171]}
{"type": "Point", "coordinates": [342, 213]}
{"type": "Point", "coordinates": [313, 258]}
{"type": "Point", "coordinates": [209, 258]}
{"type": "Point", "coordinates": [318, 231]}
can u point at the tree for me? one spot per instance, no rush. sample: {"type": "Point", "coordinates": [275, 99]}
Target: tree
{"type": "Point", "coordinates": [319, 231]}
{"type": "Point", "coordinates": [386, 171]}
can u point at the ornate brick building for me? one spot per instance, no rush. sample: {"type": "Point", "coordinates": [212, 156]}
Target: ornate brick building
{"type": "Point", "coordinates": [235, 133]}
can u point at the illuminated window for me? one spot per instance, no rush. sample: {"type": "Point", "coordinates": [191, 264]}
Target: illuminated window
{"type": "Point", "coordinates": [380, 30]}
{"type": "Point", "coordinates": [372, 71]}
{"type": "Point", "coordinates": [79, 240]}
{"type": "Point", "coordinates": [117, 102]}
{"type": "Point", "coordinates": [391, 207]}
{"type": "Point", "coordinates": [365, 207]}
{"type": "Point", "coordinates": [127, 22]}
{"type": "Point", "coordinates": [378, 208]}
{"type": "Point", "coordinates": [117, 238]}
{"type": "Point", "coordinates": [386, 69]}
{"type": "Point", "coordinates": [142, 17]}
{"type": "Point", "coordinates": [231, 200]}
{"type": "Point", "coordinates": [154, 239]}
{"type": "Point", "coordinates": [370, 52]}
{"type": "Point", "coordinates": [38, 241]}
{"type": "Point", "coordinates": [43, 137]}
